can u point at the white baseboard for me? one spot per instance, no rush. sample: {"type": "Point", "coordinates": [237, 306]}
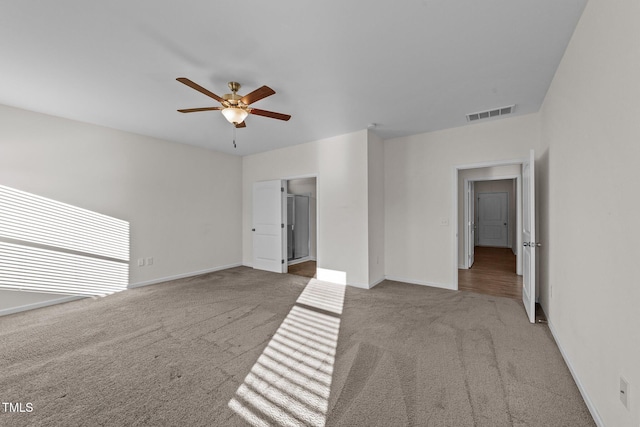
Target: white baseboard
{"type": "Point", "coordinates": [181, 276]}
{"type": "Point", "coordinates": [583, 392]}
{"type": "Point", "coordinates": [33, 306]}
{"type": "Point", "coordinates": [377, 282]}
{"type": "Point", "coordinates": [419, 282]}
{"type": "Point", "coordinates": [462, 267]}
{"type": "Point", "coordinates": [366, 285]}
{"type": "Point", "coordinates": [358, 285]}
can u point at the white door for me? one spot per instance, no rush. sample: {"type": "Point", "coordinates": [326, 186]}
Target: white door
{"type": "Point", "coordinates": [529, 238]}
{"type": "Point", "coordinates": [269, 234]}
{"type": "Point", "coordinates": [493, 214]}
{"type": "Point", "coordinates": [471, 224]}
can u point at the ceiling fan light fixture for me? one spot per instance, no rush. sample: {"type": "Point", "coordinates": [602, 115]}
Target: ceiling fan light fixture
{"type": "Point", "coordinates": [235, 108]}
{"type": "Point", "coordinates": [235, 115]}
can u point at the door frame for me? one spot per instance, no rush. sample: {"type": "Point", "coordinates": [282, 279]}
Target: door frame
{"type": "Point", "coordinates": [318, 234]}
{"type": "Point", "coordinates": [469, 212]}
{"type": "Point", "coordinates": [518, 235]}
{"type": "Point", "coordinates": [454, 192]}
{"type": "Point", "coordinates": [308, 257]}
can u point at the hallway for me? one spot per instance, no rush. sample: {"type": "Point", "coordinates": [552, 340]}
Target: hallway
{"type": "Point", "coordinates": [493, 273]}
{"type": "Point", "coordinates": [305, 269]}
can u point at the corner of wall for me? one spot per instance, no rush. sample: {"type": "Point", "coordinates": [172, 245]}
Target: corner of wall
{"type": "Point", "coordinates": [375, 208]}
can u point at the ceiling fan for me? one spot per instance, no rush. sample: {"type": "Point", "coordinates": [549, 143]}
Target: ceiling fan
{"type": "Point", "coordinates": [235, 108]}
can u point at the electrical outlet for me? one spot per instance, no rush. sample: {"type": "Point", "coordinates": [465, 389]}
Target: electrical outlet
{"type": "Point", "coordinates": [444, 222]}
{"type": "Point", "coordinates": [140, 262]}
{"type": "Point", "coordinates": [624, 392]}
{"type": "Point", "coordinates": [150, 261]}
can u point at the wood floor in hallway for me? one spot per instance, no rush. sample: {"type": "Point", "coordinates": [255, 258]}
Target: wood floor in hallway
{"type": "Point", "coordinates": [493, 273]}
{"type": "Point", "coordinates": [305, 269]}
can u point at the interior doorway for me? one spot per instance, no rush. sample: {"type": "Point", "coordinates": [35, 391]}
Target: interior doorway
{"type": "Point", "coordinates": [490, 215]}
{"type": "Point", "coordinates": [298, 225]}
{"type": "Point", "coordinates": [301, 226]}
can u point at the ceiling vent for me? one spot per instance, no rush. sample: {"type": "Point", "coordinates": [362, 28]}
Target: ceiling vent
{"type": "Point", "coordinates": [491, 113]}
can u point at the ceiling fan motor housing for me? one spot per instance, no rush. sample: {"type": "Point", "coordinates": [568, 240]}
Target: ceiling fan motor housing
{"type": "Point", "coordinates": [233, 98]}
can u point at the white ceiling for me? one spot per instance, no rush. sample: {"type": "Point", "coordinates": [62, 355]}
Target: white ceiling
{"type": "Point", "coordinates": [336, 66]}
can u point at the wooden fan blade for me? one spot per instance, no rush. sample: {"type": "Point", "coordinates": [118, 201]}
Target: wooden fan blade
{"type": "Point", "coordinates": [199, 88]}
{"type": "Point", "coordinates": [257, 95]}
{"type": "Point", "coordinates": [270, 114]}
{"type": "Point", "coordinates": [241, 125]}
{"type": "Point", "coordinates": [193, 110]}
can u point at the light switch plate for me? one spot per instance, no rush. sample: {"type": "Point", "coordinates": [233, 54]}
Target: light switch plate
{"type": "Point", "coordinates": [624, 392]}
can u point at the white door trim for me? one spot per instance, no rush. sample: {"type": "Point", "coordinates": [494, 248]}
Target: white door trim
{"type": "Point", "coordinates": [518, 235]}
{"type": "Point", "coordinates": [468, 222]}
{"type": "Point", "coordinates": [454, 218]}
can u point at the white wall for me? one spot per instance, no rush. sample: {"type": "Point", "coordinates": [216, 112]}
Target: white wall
{"type": "Point", "coordinates": [376, 208]}
{"type": "Point", "coordinates": [589, 211]}
{"type": "Point", "coordinates": [485, 173]}
{"type": "Point", "coordinates": [419, 188]}
{"type": "Point", "coordinates": [340, 164]}
{"type": "Point", "coordinates": [307, 187]}
{"type": "Point", "coordinates": [182, 202]}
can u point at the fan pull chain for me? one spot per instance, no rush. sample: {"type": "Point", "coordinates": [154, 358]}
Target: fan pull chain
{"type": "Point", "coordinates": [234, 136]}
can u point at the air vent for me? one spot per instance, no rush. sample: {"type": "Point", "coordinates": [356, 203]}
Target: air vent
{"type": "Point", "coordinates": [490, 113]}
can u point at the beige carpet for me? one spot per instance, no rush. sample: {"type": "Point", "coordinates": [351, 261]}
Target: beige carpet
{"type": "Point", "coordinates": [223, 348]}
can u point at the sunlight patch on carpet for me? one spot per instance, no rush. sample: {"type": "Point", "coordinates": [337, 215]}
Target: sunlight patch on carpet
{"type": "Point", "coordinates": [291, 381]}
{"type": "Point", "coordinates": [53, 247]}
{"type": "Point", "coordinates": [323, 295]}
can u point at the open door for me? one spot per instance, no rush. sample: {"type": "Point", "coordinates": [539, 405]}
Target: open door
{"type": "Point", "coordinates": [471, 224]}
{"type": "Point", "coordinates": [269, 233]}
{"type": "Point", "coordinates": [529, 237]}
